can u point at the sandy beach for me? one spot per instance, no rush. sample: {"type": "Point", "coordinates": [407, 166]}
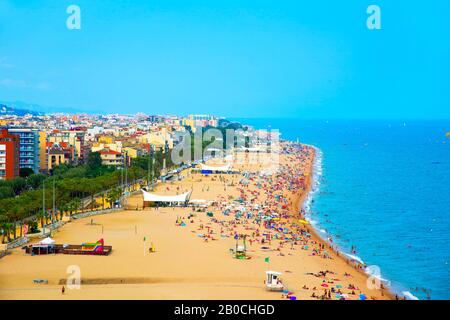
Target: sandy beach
{"type": "Point", "coordinates": [194, 261]}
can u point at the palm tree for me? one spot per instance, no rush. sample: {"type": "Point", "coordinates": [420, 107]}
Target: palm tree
{"type": "Point", "coordinates": [113, 195]}
{"type": "Point", "coordinates": [3, 227]}
{"type": "Point", "coordinates": [76, 204]}
{"type": "Point", "coordinates": [90, 186]}
{"type": "Point", "coordinates": [41, 216]}
{"type": "Point", "coordinates": [14, 215]}
{"type": "Point", "coordinates": [64, 207]}
{"type": "Point", "coordinates": [6, 231]}
{"type": "Point", "coordinates": [103, 200]}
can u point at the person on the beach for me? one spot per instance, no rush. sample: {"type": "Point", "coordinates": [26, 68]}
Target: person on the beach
{"type": "Point", "coordinates": [63, 290]}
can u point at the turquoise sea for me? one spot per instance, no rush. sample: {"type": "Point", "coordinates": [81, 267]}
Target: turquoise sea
{"type": "Point", "coordinates": [384, 188]}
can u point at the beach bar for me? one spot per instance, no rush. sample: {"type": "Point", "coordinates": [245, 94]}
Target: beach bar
{"type": "Point", "coordinates": [154, 200]}
{"type": "Point", "coordinates": [205, 169]}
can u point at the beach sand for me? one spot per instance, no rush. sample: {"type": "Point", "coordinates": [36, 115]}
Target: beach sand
{"type": "Point", "coordinates": [185, 266]}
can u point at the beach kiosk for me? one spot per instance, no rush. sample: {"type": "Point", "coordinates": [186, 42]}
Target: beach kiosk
{"type": "Point", "coordinates": [273, 282]}
{"type": "Point", "coordinates": [225, 169]}
{"type": "Point", "coordinates": [154, 200]}
{"type": "Point", "coordinates": [46, 246]}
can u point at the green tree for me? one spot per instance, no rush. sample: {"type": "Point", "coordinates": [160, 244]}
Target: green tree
{"type": "Point", "coordinates": [25, 172]}
{"type": "Point", "coordinates": [34, 181]}
{"type": "Point", "coordinates": [3, 226]}
{"type": "Point", "coordinates": [94, 161]}
{"type": "Point", "coordinates": [113, 195]}
{"type": "Point", "coordinates": [76, 202]}
{"type": "Point", "coordinates": [18, 185]}
{"type": "Point", "coordinates": [5, 230]}
{"type": "Point", "coordinates": [41, 216]}
{"type": "Point", "coordinates": [6, 192]}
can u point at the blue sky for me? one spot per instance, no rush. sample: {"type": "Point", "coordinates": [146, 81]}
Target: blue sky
{"type": "Point", "coordinates": [302, 59]}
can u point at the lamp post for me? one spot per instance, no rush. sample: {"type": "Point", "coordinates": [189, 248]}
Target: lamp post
{"type": "Point", "coordinates": [43, 206]}
{"type": "Point", "coordinates": [54, 204]}
{"type": "Point", "coordinates": [148, 166]}
{"type": "Point", "coordinates": [152, 154]}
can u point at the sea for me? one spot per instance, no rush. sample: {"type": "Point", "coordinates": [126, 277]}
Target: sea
{"type": "Point", "coordinates": [381, 193]}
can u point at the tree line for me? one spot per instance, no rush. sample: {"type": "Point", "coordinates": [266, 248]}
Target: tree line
{"type": "Point", "coordinates": [22, 199]}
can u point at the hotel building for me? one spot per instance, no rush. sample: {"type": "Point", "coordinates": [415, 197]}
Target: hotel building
{"type": "Point", "coordinates": [9, 155]}
{"type": "Point", "coordinates": [29, 148]}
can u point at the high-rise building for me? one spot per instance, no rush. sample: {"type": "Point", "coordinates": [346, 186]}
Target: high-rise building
{"type": "Point", "coordinates": [29, 148]}
{"type": "Point", "coordinates": [9, 155]}
{"type": "Point", "coordinates": [42, 151]}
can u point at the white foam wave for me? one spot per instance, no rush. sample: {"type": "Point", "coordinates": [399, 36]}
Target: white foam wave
{"type": "Point", "coordinates": [356, 258]}
{"type": "Point", "coordinates": [315, 183]}
{"type": "Point", "coordinates": [409, 295]}
{"type": "Point", "coordinates": [307, 206]}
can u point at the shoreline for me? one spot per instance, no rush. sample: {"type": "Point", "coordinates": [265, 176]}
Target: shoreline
{"type": "Point", "coordinates": [190, 259]}
{"type": "Point", "coordinates": [315, 232]}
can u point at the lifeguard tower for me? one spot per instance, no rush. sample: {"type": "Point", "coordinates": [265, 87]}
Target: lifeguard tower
{"type": "Point", "coordinates": [240, 252]}
{"type": "Point", "coordinates": [273, 282]}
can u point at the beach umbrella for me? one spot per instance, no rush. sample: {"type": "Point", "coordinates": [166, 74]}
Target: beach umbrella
{"type": "Point", "coordinates": [362, 296]}
{"type": "Point", "coordinates": [304, 222]}
{"type": "Point", "coordinates": [324, 285]}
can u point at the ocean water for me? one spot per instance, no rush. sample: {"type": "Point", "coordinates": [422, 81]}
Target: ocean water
{"type": "Point", "coordinates": [384, 187]}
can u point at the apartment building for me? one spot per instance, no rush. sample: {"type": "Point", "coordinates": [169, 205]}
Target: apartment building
{"type": "Point", "coordinates": [9, 155]}
{"type": "Point", "coordinates": [28, 147]}
{"type": "Point", "coordinates": [111, 158]}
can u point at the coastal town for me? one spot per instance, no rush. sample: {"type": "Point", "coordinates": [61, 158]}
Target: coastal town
{"type": "Point", "coordinates": [38, 143]}
{"type": "Point", "coordinates": [79, 190]}
{"type": "Point", "coordinates": [213, 159]}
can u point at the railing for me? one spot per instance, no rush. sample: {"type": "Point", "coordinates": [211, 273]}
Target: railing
{"type": "Point", "coordinates": [84, 202]}
{"type": "Point", "coordinates": [94, 213]}
{"type": "Point", "coordinates": [17, 243]}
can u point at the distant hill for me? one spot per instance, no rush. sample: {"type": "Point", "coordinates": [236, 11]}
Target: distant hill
{"type": "Point", "coordinates": [22, 108]}
{"type": "Point", "coordinates": [7, 109]}
{"type": "Point", "coordinates": [224, 123]}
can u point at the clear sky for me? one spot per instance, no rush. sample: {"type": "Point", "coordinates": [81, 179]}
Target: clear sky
{"type": "Point", "coordinates": [247, 58]}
